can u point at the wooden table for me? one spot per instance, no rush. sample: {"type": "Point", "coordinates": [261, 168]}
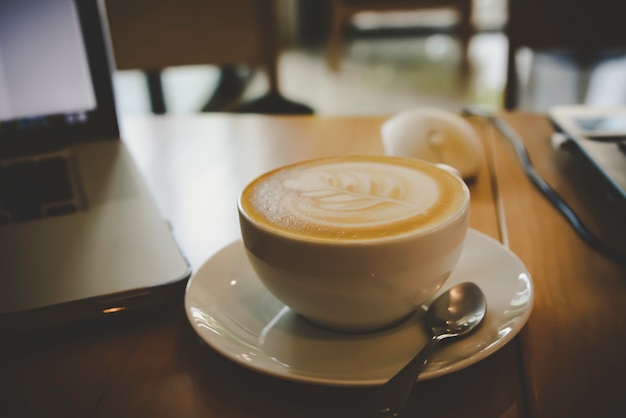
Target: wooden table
{"type": "Point", "coordinates": [568, 361]}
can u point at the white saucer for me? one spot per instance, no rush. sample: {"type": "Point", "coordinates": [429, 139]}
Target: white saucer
{"type": "Point", "coordinates": [231, 311]}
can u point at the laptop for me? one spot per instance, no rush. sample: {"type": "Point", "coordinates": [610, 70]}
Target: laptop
{"type": "Point", "coordinates": [81, 237]}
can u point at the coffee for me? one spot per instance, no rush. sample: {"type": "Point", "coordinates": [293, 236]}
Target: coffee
{"type": "Point", "coordinates": [353, 197]}
{"type": "Point", "coordinates": [354, 243]}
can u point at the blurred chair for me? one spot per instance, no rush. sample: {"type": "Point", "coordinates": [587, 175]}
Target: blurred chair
{"type": "Point", "coordinates": [584, 30]}
{"type": "Point", "coordinates": [344, 10]}
{"type": "Point", "coordinates": [152, 35]}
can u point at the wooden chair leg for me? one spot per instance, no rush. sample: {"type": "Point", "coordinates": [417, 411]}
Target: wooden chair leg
{"type": "Point", "coordinates": [466, 32]}
{"type": "Point", "coordinates": [155, 92]}
{"type": "Point", "coordinates": [511, 88]}
{"type": "Point", "coordinates": [335, 38]}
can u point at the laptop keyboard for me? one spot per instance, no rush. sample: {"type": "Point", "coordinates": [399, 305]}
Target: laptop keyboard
{"type": "Point", "coordinates": [32, 189]}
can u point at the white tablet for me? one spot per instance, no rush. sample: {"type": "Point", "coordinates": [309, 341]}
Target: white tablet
{"type": "Point", "coordinates": [600, 124]}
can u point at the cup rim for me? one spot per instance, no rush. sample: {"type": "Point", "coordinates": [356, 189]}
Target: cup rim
{"type": "Point", "coordinates": [460, 212]}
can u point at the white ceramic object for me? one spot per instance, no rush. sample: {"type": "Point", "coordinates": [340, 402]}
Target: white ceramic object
{"type": "Point", "coordinates": [434, 135]}
{"type": "Point", "coordinates": [358, 285]}
{"type": "Point", "coordinates": [231, 310]}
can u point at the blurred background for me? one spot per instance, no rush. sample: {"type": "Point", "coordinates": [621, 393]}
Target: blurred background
{"type": "Point", "coordinates": [366, 57]}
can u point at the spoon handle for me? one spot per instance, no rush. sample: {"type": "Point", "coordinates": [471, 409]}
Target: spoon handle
{"type": "Point", "coordinates": [389, 400]}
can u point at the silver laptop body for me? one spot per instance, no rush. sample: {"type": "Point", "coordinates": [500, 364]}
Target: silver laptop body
{"type": "Point", "coordinates": [111, 253]}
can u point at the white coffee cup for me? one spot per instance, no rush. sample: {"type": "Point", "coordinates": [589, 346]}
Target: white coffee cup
{"type": "Point", "coordinates": [354, 243]}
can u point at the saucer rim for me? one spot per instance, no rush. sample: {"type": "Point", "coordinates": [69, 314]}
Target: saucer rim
{"type": "Point", "coordinates": [303, 376]}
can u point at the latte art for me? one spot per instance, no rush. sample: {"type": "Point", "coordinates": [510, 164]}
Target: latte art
{"type": "Point", "coordinates": [356, 194]}
{"type": "Point", "coordinates": [353, 197]}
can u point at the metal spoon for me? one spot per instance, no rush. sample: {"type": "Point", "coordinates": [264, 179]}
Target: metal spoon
{"type": "Point", "coordinates": [455, 313]}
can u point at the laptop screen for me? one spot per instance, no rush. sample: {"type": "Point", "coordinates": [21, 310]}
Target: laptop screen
{"type": "Point", "coordinates": [55, 79]}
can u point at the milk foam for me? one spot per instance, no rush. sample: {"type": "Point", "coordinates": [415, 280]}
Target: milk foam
{"type": "Point", "coordinates": [355, 194]}
{"type": "Point", "coordinates": [349, 197]}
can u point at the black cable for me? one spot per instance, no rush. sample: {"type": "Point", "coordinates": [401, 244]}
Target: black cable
{"type": "Point", "coordinates": [545, 188]}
